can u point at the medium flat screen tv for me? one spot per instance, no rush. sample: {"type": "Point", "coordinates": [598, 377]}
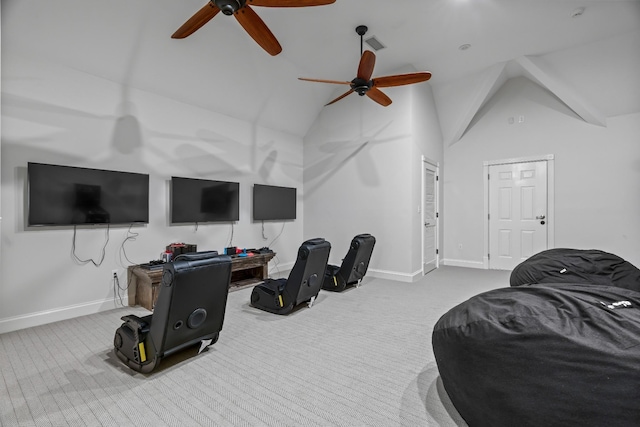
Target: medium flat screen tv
{"type": "Point", "coordinates": [69, 195]}
{"type": "Point", "coordinates": [273, 203]}
{"type": "Point", "coordinates": [203, 200]}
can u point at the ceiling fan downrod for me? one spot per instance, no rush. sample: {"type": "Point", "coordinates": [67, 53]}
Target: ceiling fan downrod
{"type": "Point", "coordinates": [361, 30]}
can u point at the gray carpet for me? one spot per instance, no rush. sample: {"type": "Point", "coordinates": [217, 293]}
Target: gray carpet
{"type": "Point", "coordinates": [358, 358]}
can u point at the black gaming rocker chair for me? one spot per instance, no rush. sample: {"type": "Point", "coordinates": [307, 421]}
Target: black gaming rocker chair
{"type": "Point", "coordinates": [354, 265]}
{"type": "Point", "coordinates": [190, 310]}
{"type": "Point", "coordinates": [281, 296]}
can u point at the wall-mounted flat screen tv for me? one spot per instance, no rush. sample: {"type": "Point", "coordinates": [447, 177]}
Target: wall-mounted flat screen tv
{"type": "Point", "coordinates": [203, 200]}
{"type": "Point", "coordinates": [69, 195]}
{"type": "Point", "coordinates": [273, 203]}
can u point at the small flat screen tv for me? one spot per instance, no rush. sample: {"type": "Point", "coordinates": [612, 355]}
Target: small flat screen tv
{"type": "Point", "coordinates": [69, 195]}
{"type": "Point", "coordinates": [203, 200]}
{"type": "Point", "coordinates": [273, 203]}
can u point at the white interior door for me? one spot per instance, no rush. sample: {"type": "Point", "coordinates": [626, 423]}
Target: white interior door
{"type": "Point", "coordinates": [517, 212]}
{"type": "Point", "coordinates": [430, 218]}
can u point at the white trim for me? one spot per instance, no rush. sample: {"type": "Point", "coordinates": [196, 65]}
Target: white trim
{"type": "Point", "coordinates": [436, 171]}
{"type": "Point", "coordinates": [64, 313]}
{"type": "Point", "coordinates": [551, 208]}
{"type": "Point", "coordinates": [425, 159]}
{"type": "Point", "coordinates": [534, 70]}
{"type": "Point", "coordinates": [463, 263]}
{"type": "Point", "coordinates": [518, 160]}
{"type": "Point", "coordinates": [491, 81]}
{"type": "Point", "coordinates": [394, 275]}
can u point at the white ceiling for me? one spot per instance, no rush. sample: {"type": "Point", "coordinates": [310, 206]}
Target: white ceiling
{"type": "Point", "coordinates": [221, 68]}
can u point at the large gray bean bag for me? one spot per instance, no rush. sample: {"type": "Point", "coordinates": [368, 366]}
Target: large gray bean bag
{"type": "Point", "coordinates": [543, 355]}
{"type": "Point", "coordinates": [563, 265]}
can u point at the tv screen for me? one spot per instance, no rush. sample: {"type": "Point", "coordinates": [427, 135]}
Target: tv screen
{"type": "Point", "coordinates": [203, 200]}
{"type": "Point", "coordinates": [273, 203]}
{"type": "Point", "coordinates": [69, 195]}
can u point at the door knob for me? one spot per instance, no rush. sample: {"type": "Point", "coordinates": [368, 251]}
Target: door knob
{"type": "Point", "coordinates": [540, 217]}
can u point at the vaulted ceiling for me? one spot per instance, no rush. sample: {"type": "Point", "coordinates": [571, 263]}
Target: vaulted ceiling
{"type": "Point", "coordinates": [221, 68]}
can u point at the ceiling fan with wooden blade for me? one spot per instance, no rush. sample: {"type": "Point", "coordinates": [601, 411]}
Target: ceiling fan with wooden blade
{"type": "Point", "coordinates": [246, 16]}
{"type": "Point", "coordinates": [363, 84]}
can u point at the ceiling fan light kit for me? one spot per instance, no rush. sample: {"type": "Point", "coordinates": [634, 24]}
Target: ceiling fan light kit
{"type": "Point", "coordinates": [363, 84]}
{"type": "Point", "coordinates": [229, 7]}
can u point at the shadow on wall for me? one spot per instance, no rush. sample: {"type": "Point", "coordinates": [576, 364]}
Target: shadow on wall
{"type": "Point", "coordinates": [127, 136]}
{"type": "Point", "coordinates": [341, 151]}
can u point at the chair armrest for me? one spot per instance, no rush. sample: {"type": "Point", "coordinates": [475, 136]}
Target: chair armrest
{"type": "Point", "coordinates": [140, 324]}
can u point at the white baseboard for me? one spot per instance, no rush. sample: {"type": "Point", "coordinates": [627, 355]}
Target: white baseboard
{"type": "Point", "coordinates": [463, 263]}
{"type": "Point", "coordinates": [49, 316]}
{"type": "Point", "coordinates": [394, 275]}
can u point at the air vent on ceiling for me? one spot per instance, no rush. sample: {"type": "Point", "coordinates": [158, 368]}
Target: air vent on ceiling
{"type": "Point", "coordinates": [374, 43]}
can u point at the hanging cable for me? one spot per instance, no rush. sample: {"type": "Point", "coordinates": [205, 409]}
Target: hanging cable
{"type": "Point", "coordinates": [117, 288]}
{"type": "Point", "coordinates": [131, 236]}
{"type": "Point", "coordinates": [279, 234]}
{"type": "Point", "coordinates": [90, 260]}
{"type": "Point", "coordinates": [263, 236]}
{"type": "Point", "coordinates": [231, 239]}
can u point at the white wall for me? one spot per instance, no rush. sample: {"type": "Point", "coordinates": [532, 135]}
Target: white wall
{"type": "Point", "coordinates": [597, 172]}
{"type": "Point", "coordinates": [363, 175]}
{"type": "Point", "coordinates": [54, 114]}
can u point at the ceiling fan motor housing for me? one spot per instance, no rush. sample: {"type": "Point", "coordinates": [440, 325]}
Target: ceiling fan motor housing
{"type": "Point", "coordinates": [229, 7]}
{"type": "Point", "coordinates": [361, 86]}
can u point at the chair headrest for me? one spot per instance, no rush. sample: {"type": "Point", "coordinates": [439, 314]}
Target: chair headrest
{"type": "Point", "coordinates": [316, 241]}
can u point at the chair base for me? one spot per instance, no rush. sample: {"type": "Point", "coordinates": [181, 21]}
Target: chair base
{"type": "Point", "coordinates": [134, 347]}
{"type": "Point", "coordinates": [271, 296]}
{"type": "Point", "coordinates": [334, 282]}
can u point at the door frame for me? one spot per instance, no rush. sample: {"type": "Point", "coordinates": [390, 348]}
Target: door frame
{"type": "Point", "coordinates": [436, 166]}
{"type": "Point", "coordinates": [549, 158]}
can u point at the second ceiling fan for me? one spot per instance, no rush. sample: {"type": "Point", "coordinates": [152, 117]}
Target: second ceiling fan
{"type": "Point", "coordinates": [363, 84]}
{"type": "Point", "coordinates": [246, 16]}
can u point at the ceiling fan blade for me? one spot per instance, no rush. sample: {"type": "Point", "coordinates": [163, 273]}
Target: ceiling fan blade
{"type": "Point", "coordinates": [336, 82]}
{"type": "Point", "coordinates": [402, 79]}
{"type": "Point", "coordinates": [258, 30]}
{"type": "Point", "coordinates": [194, 23]}
{"type": "Point", "coordinates": [367, 62]}
{"type": "Point", "coordinates": [349, 92]}
{"type": "Point", "coordinates": [377, 95]}
{"type": "Point", "coordinates": [290, 3]}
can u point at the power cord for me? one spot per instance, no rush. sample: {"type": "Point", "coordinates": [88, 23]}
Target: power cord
{"type": "Point", "coordinates": [117, 288]}
{"type": "Point", "coordinates": [131, 236]}
{"type": "Point", "coordinates": [278, 236]}
{"type": "Point", "coordinates": [231, 239]}
{"type": "Point", "coordinates": [90, 260]}
{"type": "Point", "coordinates": [276, 260]}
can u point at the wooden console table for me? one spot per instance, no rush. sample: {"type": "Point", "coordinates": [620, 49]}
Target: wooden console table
{"type": "Point", "coordinates": [144, 284]}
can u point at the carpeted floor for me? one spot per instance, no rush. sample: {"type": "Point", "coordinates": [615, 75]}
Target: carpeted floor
{"type": "Point", "coordinates": [358, 358]}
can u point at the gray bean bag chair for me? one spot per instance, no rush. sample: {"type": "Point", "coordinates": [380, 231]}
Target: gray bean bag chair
{"type": "Point", "coordinates": [563, 265]}
{"type": "Point", "coordinates": [543, 355]}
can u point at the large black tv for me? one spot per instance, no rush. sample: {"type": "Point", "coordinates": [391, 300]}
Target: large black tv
{"type": "Point", "coordinates": [204, 200]}
{"type": "Point", "coordinates": [273, 203]}
{"type": "Point", "coordinates": [69, 195]}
